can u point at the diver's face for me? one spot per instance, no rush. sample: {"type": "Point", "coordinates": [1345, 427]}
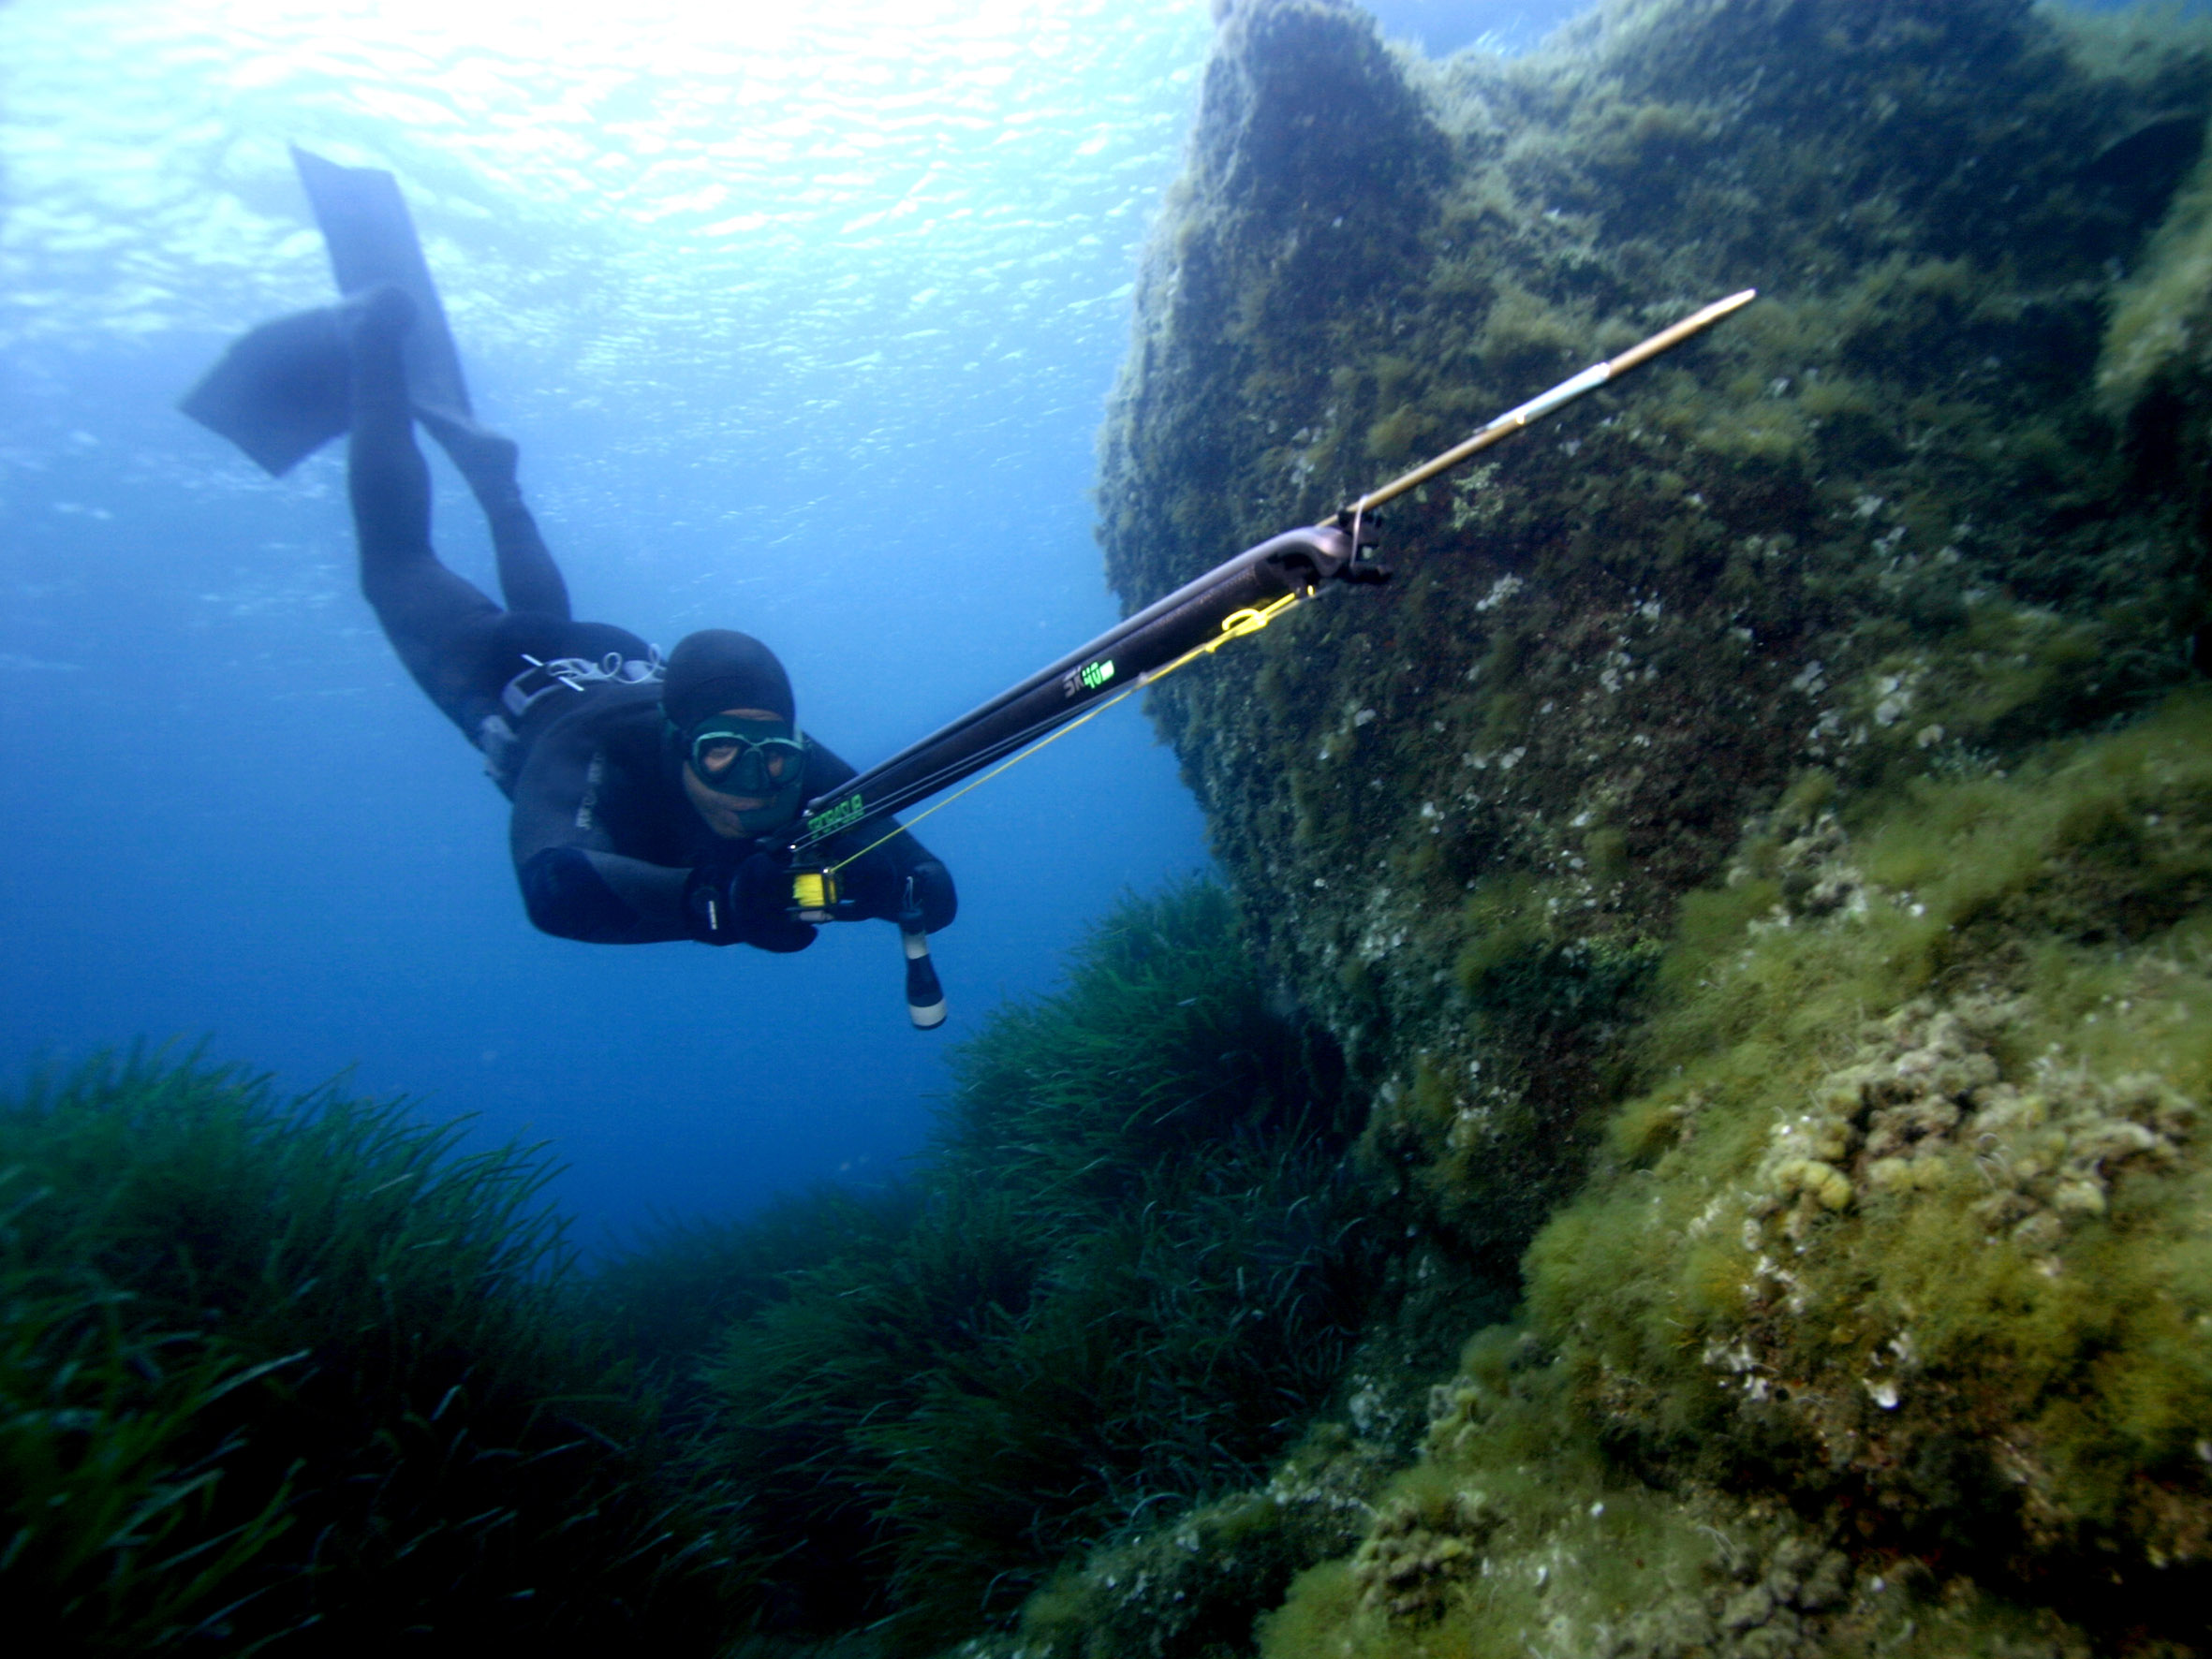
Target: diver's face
{"type": "Point", "coordinates": [735, 817]}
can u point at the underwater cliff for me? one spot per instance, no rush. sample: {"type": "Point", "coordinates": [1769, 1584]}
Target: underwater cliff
{"type": "Point", "coordinates": [1754, 855]}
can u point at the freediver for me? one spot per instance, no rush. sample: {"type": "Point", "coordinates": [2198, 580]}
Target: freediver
{"type": "Point", "coordinates": [652, 801]}
{"type": "Point", "coordinates": [645, 795]}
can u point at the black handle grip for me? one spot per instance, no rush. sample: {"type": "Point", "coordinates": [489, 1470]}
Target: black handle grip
{"type": "Point", "coordinates": [926, 997]}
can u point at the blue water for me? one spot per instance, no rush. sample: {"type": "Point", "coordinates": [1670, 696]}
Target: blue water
{"type": "Point", "coordinates": [805, 318]}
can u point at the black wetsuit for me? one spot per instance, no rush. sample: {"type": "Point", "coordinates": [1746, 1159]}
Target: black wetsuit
{"type": "Point", "coordinates": [606, 843]}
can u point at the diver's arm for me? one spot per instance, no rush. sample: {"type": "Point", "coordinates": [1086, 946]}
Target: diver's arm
{"type": "Point", "coordinates": [603, 898]}
{"type": "Point", "coordinates": [575, 885]}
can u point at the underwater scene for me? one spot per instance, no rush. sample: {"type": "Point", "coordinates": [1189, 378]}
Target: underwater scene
{"type": "Point", "coordinates": [1611, 1056]}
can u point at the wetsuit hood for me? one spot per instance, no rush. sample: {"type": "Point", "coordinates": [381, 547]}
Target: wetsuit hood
{"type": "Point", "coordinates": [719, 669]}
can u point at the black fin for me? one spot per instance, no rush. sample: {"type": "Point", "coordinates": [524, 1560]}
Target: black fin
{"type": "Point", "coordinates": [372, 239]}
{"type": "Point", "coordinates": [285, 389]}
{"type": "Point", "coordinates": [280, 392]}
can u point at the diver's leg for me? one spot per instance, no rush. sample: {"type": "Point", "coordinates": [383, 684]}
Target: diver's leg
{"type": "Point", "coordinates": [436, 622]}
{"type": "Point", "coordinates": [528, 578]}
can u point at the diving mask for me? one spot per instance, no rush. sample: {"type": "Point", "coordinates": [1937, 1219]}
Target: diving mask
{"type": "Point", "coordinates": [733, 756]}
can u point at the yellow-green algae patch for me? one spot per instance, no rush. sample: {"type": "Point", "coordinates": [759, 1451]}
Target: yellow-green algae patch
{"type": "Point", "coordinates": [2157, 321]}
{"type": "Point", "coordinates": [1890, 1316]}
{"type": "Point", "coordinates": [1518, 1535]}
{"type": "Point", "coordinates": [1927, 1163]}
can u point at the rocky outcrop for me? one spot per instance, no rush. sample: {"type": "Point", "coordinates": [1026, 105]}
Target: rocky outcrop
{"type": "Point", "coordinates": [1712, 848]}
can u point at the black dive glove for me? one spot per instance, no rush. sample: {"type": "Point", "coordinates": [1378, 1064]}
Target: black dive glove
{"type": "Point", "coordinates": [875, 883]}
{"type": "Point", "coordinates": [747, 903]}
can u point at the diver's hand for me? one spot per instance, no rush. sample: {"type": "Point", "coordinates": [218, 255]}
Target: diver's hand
{"type": "Point", "coordinates": [876, 885]}
{"type": "Point", "coordinates": [748, 905]}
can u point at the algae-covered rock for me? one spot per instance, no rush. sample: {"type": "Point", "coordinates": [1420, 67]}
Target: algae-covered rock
{"type": "Point", "coordinates": [1754, 849]}
{"type": "Point", "coordinates": [1880, 522]}
{"type": "Point", "coordinates": [2157, 356]}
{"type": "Point", "coordinates": [1517, 1534]}
{"type": "Point", "coordinates": [1886, 1323]}
{"type": "Point", "coordinates": [1915, 1219]}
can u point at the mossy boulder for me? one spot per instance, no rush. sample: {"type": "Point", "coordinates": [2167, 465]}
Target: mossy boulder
{"type": "Point", "coordinates": [1518, 1533]}
{"type": "Point", "coordinates": [1886, 1323]}
{"type": "Point", "coordinates": [1928, 1153]}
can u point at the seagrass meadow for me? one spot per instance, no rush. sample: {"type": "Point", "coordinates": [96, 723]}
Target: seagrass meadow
{"type": "Point", "coordinates": [301, 1376]}
{"type": "Point", "coordinates": [298, 1376]}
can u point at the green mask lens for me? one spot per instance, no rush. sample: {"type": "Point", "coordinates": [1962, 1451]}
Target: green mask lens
{"type": "Point", "coordinates": [734, 756]}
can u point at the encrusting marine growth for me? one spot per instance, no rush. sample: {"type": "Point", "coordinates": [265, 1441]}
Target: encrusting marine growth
{"type": "Point", "coordinates": [1901, 1265]}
